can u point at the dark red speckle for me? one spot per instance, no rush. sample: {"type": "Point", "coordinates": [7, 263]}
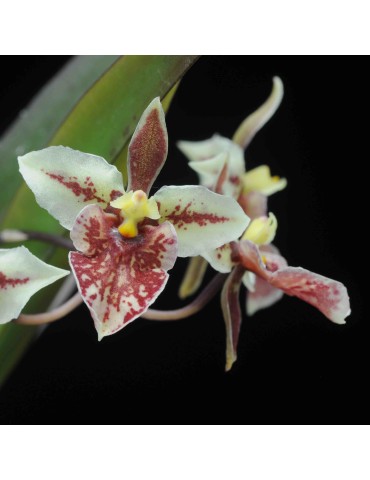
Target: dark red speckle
{"type": "Point", "coordinates": [235, 180]}
{"type": "Point", "coordinates": [87, 192]}
{"type": "Point", "coordinates": [6, 282]}
{"type": "Point", "coordinates": [180, 218]}
{"type": "Point", "coordinates": [114, 194]}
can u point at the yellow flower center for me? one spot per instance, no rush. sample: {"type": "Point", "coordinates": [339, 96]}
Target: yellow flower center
{"type": "Point", "coordinates": [135, 206]}
{"type": "Point", "coordinates": [260, 180]}
{"type": "Point", "coordinates": [261, 230]}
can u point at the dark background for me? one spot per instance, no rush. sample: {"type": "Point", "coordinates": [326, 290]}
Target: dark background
{"type": "Point", "coordinates": [294, 366]}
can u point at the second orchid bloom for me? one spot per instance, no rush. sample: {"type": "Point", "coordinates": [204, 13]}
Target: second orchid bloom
{"type": "Point", "coordinates": [125, 240]}
{"type": "Point", "coordinates": [252, 259]}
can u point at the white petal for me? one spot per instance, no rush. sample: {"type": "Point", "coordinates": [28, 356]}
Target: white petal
{"type": "Point", "coordinates": [203, 220]}
{"type": "Point", "coordinates": [66, 180]}
{"type": "Point", "coordinates": [208, 170]}
{"type": "Point", "coordinates": [254, 122]}
{"type": "Point", "coordinates": [21, 276]}
{"type": "Point", "coordinates": [206, 151]}
{"type": "Point", "coordinates": [220, 258]}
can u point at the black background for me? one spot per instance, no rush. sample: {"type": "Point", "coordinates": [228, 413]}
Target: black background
{"type": "Point", "coordinates": [294, 366]}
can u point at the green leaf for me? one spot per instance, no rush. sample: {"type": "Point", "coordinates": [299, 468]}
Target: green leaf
{"type": "Point", "coordinates": [102, 122]}
{"type": "Point", "coordinates": [37, 123]}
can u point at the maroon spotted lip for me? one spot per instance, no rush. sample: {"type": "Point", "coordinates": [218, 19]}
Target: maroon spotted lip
{"type": "Point", "coordinates": [118, 277]}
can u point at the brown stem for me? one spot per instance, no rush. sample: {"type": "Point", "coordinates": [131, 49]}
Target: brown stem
{"type": "Point", "coordinates": [8, 236]}
{"type": "Point", "coordinates": [194, 307]}
{"type": "Point", "coordinates": [53, 315]}
{"type": "Point", "coordinates": [56, 240]}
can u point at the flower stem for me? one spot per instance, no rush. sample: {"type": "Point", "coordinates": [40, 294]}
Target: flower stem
{"type": "Point", "coordinates": [194, 307]}
{"type": "Point", "coordinates": [10, 236]}
{"type": "Point", "coordinates": [53, 315]}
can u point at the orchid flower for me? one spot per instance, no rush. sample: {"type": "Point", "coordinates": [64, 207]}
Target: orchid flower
{"type": "Point", "coordinates": [126, 241]}
{"type": "Point", "coordinates": [255, 262]}
{"type": "Point", "coordinates": [219, 163]}
{"type": "Point", "coordinates": [21, 276]}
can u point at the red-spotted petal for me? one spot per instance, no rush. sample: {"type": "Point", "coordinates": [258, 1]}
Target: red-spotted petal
{"type": "Point", "coordinates": [203, 220]}
{"type": "Point", "coordinates": [21, 276]}
{"type": "Point", "coordinates": [327, 295]}
{"type": "Point", "coordinates": [254, 204]}
{"type": "Point", "coordinates": [65, 180]}
{"type": "Point", "coordinates": [147, 151]}
{"type": "Point", "coordinates": [124, 276]}
{"type": "Point", "coordinates": [232, 314]}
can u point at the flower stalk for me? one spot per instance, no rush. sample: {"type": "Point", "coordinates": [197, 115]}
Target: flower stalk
{"type": "Point", "coordinates": [53, 315]}
{"type": "Point", "coordinates": [76, 300]}
{"type": "Point", "coordinates": [16, 236]}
